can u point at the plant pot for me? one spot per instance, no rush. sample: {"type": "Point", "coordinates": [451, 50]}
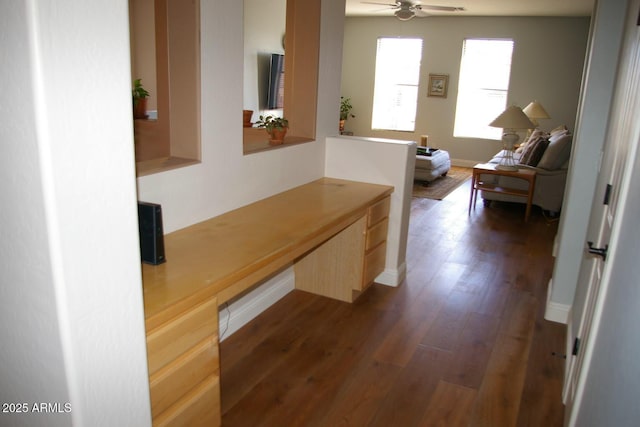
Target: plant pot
{"type": "Point", "coordinates": [140, 108]}
{"type": "Point", "coordinates": [276, 136]}
{"type": "Point", "coordinates": [246, 118]}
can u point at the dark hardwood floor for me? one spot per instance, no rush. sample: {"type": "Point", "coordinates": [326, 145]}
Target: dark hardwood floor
{"type": "Point", "coordinates": [461, 342]}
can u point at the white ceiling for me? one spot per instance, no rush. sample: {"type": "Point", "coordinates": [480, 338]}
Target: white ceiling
{"type": "Point", "coordinates": [484, 7]}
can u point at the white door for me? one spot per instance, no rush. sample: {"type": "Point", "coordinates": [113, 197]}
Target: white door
{"type": "Point", "coordinates": [622, 136]}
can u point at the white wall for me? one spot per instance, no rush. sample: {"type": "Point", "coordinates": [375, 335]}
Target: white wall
{"type": "Point", "coordinates": [71, 317]}
{"type": "Point", "coordinates": [595, 104]}
{"type": "Point", "coordinates": [547, 65]}
{"type": "Point", "coordinates": [388, 162]}
{"type": "Point", "coordinates": [25, 271]}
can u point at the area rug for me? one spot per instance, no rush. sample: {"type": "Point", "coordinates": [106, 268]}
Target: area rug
{"type": "Point", "coordinates": [439, 188]}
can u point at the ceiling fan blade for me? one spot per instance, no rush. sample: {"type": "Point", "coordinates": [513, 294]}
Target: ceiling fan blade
{"type": "Point", "coordinates": [440, 8]}
{"type": "Point", "coordinates": [380, 4]}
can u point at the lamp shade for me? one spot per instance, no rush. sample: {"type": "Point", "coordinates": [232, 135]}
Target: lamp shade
{"type": "Point", "coordinates": [536, 111]}
{"type": "Point", "coordinates": [512, 118]}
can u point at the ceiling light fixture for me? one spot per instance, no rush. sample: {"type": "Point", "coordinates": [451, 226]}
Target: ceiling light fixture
{"type": "Point", "coordinates": [404, 14]}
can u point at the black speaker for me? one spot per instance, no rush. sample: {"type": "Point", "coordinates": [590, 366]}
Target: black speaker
{"type": "Point", "coordinates": [151, 234]}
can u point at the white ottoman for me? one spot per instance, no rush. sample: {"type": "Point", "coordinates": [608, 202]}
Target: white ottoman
{"type": "Point", "coordinates": [431, 167]}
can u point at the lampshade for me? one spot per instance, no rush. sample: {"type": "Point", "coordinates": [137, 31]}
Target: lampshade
{"type": "Point", "coordinates": [536, 111]}
{"type": "Point", "coordinates": [512, 118]}
{"type": "Point", "coordinates": [404, 14]}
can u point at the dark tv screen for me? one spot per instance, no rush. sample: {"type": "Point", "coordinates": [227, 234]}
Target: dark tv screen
{"type": "Point", "coordinates": [275, 96]}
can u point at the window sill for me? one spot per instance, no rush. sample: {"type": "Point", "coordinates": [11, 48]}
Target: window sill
{"type": "Point", "coordinates": [162, 164]}
{"type": "Point", "coordinates": [256, 140]}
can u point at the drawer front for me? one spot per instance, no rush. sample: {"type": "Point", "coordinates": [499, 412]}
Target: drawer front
{"type": "Point", "coordinates": [374, 262]}
{"type": "Point", "coordinates": [199, 408]}
{"type": "Point", "coordinates": [173, 338]}
{"type": "Point", "coordinates": [378, 211]}
{"type": "Point", "coordinates": [377, 234]}
{"type": "Point", "coordinates": [174, 380]}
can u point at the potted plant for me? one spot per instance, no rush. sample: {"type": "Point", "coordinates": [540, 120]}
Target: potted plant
{"type": "Point", "coordinates": [276, 127]}
{"type": "Point", "coordinates": [140, 95]}
{"type": "Point", "coordinates": [345, 111]}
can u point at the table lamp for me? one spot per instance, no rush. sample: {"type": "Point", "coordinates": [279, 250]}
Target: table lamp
{"type": "Point", "coordinates": [511, 119]}
{"type": "Point", "coordinates": [535, 111]}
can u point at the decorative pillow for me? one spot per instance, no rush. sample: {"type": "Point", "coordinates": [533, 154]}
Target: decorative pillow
{"type": "Point", "coordinates": [537, 133]}
{"type": "Point", "coordinates": [562, 129]}
{"type": "Point", "coordinates": [530, 144]}
{"type": "Point", "coordinates": [533, 152]}
{"type": "Point", "coordinates": [557, 153]}
{"type": "Point", "coordinates": [559, 129]}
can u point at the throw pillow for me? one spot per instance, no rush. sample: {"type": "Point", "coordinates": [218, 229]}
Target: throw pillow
{"type": "Point", "coordinates": [530, 145]}
{"type": "Point", "coordinates": [534, 151]}
{"type": "Point", "coordinates": [535, 135]}
{"type": "Point", "coordinates": [562, 129]}
{"type": "Point", "coordinates": [557, 153]}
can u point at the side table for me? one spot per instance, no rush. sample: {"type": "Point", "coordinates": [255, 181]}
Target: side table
{"type": "Point", "coordinates": [490, 169]}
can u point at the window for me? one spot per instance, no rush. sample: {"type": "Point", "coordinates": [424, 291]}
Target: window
{"type": "Point", "coordinates": [483, 87]}
{"type": "Point", "coordinates": [395, 93]}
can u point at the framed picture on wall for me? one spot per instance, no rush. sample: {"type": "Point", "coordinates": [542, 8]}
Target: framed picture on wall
{"type": "Point", "coordinates": [438, 85]}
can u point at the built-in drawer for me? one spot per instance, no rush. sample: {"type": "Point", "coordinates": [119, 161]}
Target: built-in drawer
{"type": "Point", "coordinates": [173, 338]}
{"type": "Point", "coordinates": [175, 379]}
{"type": "Point", "coordinates": [196, 408]}
{"type": "Point", "coordinates": [374, 262]}
{"type": "Point", "coordinates": [377, 234]}
{"type": "Point", "coordinates": [378, 211]}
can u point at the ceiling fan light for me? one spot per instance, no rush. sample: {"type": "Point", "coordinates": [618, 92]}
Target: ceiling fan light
{"type": "Point", "coordinates": [404, 14]}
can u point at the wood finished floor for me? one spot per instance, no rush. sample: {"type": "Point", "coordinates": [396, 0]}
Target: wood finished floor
{"type": "Point", "coordinates": [461, 342]}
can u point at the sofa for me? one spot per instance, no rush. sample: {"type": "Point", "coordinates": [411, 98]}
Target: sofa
{"type": "Point", "coordinates": [546, 153]}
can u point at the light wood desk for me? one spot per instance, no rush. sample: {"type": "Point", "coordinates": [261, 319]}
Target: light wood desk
{"type": "Point", "coordinates": [332, 231]}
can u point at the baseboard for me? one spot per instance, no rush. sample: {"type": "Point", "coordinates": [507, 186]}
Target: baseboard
{"type": "Point", "coordinates": [556, 312]}
{"type": "Point", "coordinates": [245, 309]}
{"type": "Point", "coordinates": [392, 277]}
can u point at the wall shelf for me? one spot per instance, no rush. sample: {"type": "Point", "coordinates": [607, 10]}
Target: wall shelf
{"type": "Point", "coordinates": [162, 164]}
{"type": "Point", "coordinates": [172, 139]}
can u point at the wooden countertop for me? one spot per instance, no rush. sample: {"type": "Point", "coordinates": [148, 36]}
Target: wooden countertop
{"type": "Point", "coordinates": [228, 254]}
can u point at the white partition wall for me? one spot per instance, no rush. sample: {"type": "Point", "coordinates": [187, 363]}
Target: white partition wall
{"type": "Point", "coordinates": [380, 161]}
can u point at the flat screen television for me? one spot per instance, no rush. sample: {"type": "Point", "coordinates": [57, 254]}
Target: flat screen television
{"type": "Point", "coordinates": [275, 94]}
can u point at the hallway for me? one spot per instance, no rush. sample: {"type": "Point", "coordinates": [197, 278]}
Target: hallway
{"type": "Point", "coordinates": [462, 341]}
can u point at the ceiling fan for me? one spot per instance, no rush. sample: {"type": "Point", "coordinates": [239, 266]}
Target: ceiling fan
{"type": "Point", "coordinates": [406, 9]}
